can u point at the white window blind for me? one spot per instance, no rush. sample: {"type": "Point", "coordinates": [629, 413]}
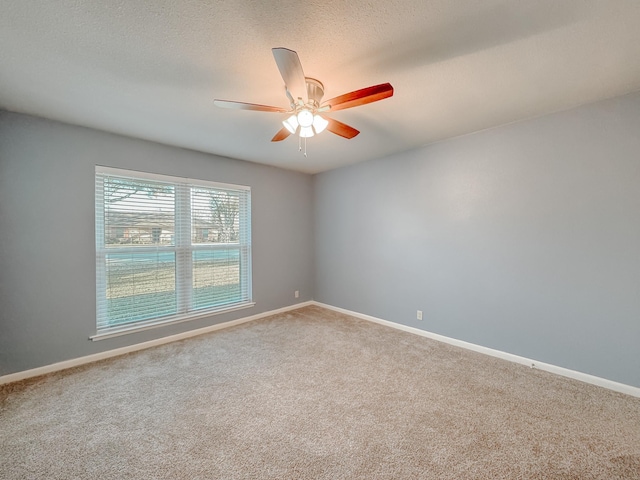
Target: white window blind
{"type": "Point", "coordinates": [168, 249]}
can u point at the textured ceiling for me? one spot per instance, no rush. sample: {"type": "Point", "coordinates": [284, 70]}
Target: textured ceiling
{"type": "Point", "coordinates": [151, 69]}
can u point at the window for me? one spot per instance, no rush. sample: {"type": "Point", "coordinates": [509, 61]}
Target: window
{"type": "Point", "coordinates": [168, 249]}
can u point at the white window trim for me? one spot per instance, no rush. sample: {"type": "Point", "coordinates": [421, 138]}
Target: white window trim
{"type": "Point", "coordinates": [101, 251]}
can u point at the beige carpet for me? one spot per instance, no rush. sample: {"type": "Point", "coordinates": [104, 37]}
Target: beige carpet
{"type": "Point", "coordinates": [314, 394]}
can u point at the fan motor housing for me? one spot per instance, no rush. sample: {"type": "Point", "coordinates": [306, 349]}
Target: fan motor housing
{"type": "Point", "coordinates": [315, 90]}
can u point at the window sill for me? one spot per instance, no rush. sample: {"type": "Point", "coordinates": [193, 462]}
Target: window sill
{"type": "Point", "coordinates": [127, 329]}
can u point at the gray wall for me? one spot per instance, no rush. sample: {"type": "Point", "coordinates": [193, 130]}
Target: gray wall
{"type": "Point", "coordinates": [47, 253]}
{"type": "Point", "coordinates": [523, 238]}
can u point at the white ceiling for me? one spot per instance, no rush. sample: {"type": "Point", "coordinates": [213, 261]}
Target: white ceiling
{"type": "Point", "coordinates": [151, 69]}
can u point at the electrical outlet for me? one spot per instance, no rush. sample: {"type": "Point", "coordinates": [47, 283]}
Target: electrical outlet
{"type": "Point", "coordinates": [419, 315]}
{"type": "Point", "coordinates": [296, 293]}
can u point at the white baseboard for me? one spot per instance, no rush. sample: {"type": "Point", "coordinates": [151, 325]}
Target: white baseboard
{"type": "Point", "coordinates": [565, 372]}
{"type": "Point", "coordinates": [75, 362]}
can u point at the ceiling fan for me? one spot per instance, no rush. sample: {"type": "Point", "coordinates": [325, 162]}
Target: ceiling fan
{"type": "Point", "coordinates": [305, 96]}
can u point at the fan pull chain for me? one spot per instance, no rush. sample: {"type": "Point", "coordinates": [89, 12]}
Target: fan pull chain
{"type": "Point", "coordinates": [300, 145]}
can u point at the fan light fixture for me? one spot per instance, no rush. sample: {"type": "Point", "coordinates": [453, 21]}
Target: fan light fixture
{"type": "Point", "coordinates": [305, 120]}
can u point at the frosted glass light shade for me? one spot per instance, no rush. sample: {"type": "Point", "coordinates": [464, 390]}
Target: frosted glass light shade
{"type": "Point", "coordinates": [306, 132]}
{"type": "Point", "coordinates": [319, 123]}
{"type": "Point", "coordinates": [291, 123]}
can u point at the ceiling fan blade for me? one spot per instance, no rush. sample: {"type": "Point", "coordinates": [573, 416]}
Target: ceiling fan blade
{"type": "Point", "coordinates": [281, 135]}
{"type": "Point", "coordinates": [292, 73]}
{"type": "Point", "coordinates": [360, 97]}
{"type": "Point", "coordinates": [247, 106]}
{"type": "Point", "coordinates": [341, 129]}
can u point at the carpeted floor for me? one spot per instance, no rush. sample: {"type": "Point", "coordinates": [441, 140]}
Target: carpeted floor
{"type": "Point", "coordinates": [314, 394]}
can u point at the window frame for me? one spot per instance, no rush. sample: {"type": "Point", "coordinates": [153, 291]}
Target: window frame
{"type": "Point", "coordinates": [183, 247]}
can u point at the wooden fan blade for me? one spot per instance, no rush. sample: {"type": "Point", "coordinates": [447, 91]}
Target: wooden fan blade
{"type": "Point", "coordinates": [281, 135]}
{"type": "Point", "coordinates": [341, 129]}
{"type": "Point", "coordinates": [291, 71]}
{"type": "Point", "coordinates": [360, 97]}
{"type": "Point", "coordinates": [247, 106]}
